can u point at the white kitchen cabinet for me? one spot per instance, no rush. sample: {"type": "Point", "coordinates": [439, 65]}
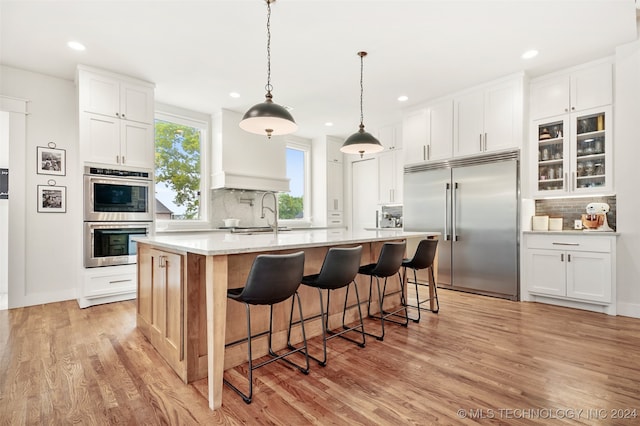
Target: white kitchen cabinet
{"type": "Point", "coordinates": [106, 94]}
{"type": "Point", "coordinates": [574, 153]}
{"type": "Point", "coordinates": [108, 284]}
{"type": "Point", "coordinates": [390, 177]}
{"type": "Point", "coordinates": [428, 133]}
{"type": "Point", "coordinates": [109, 140]}
{"type": "Point", "coordinates": [578, 89]}
{"type": "Point", "coordinates": [334, 155]}
{"type": "Point", "coordinates": [391, 136]}
{"type": "Point", "coordinates": [364, 196]}
{"type": "Point", "coordinates": [488, 119]}
{"type": "Point", "coordinates": [116, 119]}
{"type": "Point", "coordinates": [572, 269]}
{"type": "Point", "coordinates": [328, 182]}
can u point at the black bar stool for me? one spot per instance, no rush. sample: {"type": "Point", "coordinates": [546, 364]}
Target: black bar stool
{"type": "Point", "coordinates": [389, 262]}
{"type": "Point", "coordinates": [422, 259]}
{"type": "Point", "coordinates": [273, 278]}
{"type": "Point", "coordinates": [339, 269]}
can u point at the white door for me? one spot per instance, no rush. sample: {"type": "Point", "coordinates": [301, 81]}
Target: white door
{"type": "Point", "coordinates": [4, 210]}
{"type": "Point", "coordinates": [364, 200]}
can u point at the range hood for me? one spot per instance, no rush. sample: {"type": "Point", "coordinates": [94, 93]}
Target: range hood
{"type": "Point", "coordinates": [244, 160]}
{"type": "Point", "coordinates": [228, 180]}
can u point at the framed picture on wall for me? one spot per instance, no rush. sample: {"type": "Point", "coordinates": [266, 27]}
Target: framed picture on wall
{"type": "Point", "coordinates": [51, 161]}
{"type": "Point", "coordinates": [52, 199]}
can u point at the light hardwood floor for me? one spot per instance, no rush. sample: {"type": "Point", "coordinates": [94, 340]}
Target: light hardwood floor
{"type": "Point", "coordinates": [508, 362]}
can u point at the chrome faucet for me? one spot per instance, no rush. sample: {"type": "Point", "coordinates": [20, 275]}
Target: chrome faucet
{"type": "Point", "coordinates": [273, 210]}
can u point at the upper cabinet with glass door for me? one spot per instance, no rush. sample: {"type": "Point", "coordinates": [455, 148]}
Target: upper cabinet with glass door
{"type": "Point", "coordinates": [574, 153]}
{"type": "Point", "coordinates": [591, 151]}
{"type": "Point", "coordinates": [572, 137]}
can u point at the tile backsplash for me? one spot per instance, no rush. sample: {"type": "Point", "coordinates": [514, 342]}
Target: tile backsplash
{"type": "Point", "coordinates": [570, 209]}
{"type": "Point", "coordinates": [239, 204]}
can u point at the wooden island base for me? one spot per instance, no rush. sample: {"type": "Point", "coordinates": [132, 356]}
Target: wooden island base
{"type": "Point", "coordinates": [182, 300]}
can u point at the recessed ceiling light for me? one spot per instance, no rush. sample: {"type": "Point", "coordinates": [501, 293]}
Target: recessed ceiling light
{"type": "Point", "coordinates": [234, 94]}
{"type": "Point", "coordinates": [403, 98]}
{"type": "Point", "coordinates": [328, 124]}
{"type": "Point", "coordinates": [530, 54]}
{"type": "Point", "coordinates": [76, 45]}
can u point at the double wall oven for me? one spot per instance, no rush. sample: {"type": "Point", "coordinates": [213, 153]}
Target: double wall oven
{"type": "Point", "coordinates": [117, 208]}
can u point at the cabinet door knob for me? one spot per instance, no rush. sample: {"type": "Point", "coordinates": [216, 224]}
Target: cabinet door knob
{"type": "Point", "coordinates": [561, 257]}
{"type": "Point", "coordinates": [122, 115]}
{"type": "Point", "coordinates": [117, 114]}
{"type": "Point", "coordinates": [480, 141]}
{"type": "Point", "coordinates": [573, 108]}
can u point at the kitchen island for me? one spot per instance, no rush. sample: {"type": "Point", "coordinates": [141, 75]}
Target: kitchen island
{"type": "Point", "coordinates": [182, 293]}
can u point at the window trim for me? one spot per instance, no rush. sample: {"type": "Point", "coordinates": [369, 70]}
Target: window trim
{"type": "Point", "coordinates": [303, 145]}
{"type": "Point", "coordinates": [203, 122]}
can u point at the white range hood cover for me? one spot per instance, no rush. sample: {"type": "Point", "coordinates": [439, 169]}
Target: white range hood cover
{"type": "Point", "coordinates": [228, 180]}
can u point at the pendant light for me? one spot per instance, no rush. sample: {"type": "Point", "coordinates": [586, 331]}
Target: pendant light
{"type": "Point", "coordinates": [267, 117]}
{"type": "Point", "coordinates": [361, 142]}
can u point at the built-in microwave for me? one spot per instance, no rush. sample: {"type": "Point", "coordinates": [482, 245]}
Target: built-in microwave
{"type": "Point", "coordinates": [112, 243]}
{"type": "Point", "coordinates": [117, 195]}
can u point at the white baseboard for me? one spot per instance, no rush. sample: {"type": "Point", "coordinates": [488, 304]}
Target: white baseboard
{"type": "Point", "coordinates": [629, 309]}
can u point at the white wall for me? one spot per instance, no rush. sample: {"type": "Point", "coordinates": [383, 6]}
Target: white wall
{"type": "Point", "coordinates": [627, 157]}
{"type": "Point", "coordinates": [45, 255]}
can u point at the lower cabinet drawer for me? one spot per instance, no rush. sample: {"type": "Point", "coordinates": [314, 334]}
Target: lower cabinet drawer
{"type": "Point", "coordinates": [569, 242]}
{"type": "Point", "coordinates": [334, 219]}
{"type": "Point", "coordinates": [103, 283]}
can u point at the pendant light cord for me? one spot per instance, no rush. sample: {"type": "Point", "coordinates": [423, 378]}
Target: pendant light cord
{"type": "Point", "coordinates": [268, 87]}
{"type": "Point", "coordinates": [361, 90]}
{"type": "Point", "coordinates": [362, 55]}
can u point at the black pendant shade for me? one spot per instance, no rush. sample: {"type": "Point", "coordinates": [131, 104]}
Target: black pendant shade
{"type": "Point", "coordinates": [361, 142]}
{"type": "Point", "coordinates": [268, 117]}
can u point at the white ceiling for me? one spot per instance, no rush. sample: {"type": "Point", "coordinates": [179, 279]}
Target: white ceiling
{"type": "Point", "coordinates": [197, 52]}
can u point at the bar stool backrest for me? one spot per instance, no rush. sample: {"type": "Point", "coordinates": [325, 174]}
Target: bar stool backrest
{"type": "Point", "coordinates": [424, 255]}
{"type": "Point", "coordinates": [340, 267]}
{"type": "Point", "coordinates": [390, 260]}
{"type": "Point", "coordinates": [273, 278]}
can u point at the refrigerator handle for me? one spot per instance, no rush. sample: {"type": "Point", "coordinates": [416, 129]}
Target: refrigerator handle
{"type": "Point", "coordinates": [446, 212]}
{"type": "Point", "coordinates": [453, 209]}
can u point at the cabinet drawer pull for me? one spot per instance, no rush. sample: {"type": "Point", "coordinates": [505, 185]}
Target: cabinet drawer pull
{"type": "Point", "coordinates": [566, 244]}
{"type": "Point", "coordinates": [485, 141]}
{"type": "Point", "coordinates": [480, 141]}
{"type": "Point", "coordinates": [119, 281]}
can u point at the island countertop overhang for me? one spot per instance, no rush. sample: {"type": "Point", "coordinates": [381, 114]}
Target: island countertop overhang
{"type": "Point", "coordinates": [218, 243]}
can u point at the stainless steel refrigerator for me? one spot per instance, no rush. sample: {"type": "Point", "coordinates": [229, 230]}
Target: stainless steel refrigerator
{"type": "Point", "coordinates": [474, 203]}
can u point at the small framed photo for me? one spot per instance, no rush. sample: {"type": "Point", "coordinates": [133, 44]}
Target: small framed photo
{"type": "Point", "coordinates": [52, 199]}
{"type": "Point", "coordinates": [51, 161]}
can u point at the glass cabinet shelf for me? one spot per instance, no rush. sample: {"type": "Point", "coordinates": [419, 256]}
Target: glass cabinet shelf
{"type": "Point", "coordinates": [573, 151]}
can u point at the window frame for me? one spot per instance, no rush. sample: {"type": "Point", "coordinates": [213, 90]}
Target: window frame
{"type": "Point", "coordinates": [303, 145]}
{"type": "Point", "coordinates": [203, 122]}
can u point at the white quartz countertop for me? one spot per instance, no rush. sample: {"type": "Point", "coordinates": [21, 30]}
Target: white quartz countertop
{"type": "Point", "coordinates": [219, 243]}
{"type": "Point", "coordinates": [574, 232]}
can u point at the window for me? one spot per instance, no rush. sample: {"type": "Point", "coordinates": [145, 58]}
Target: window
{"type": "Point", "coordinates": [179, 169]}
{"type": "Point", "coordinates": [295, 205]}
